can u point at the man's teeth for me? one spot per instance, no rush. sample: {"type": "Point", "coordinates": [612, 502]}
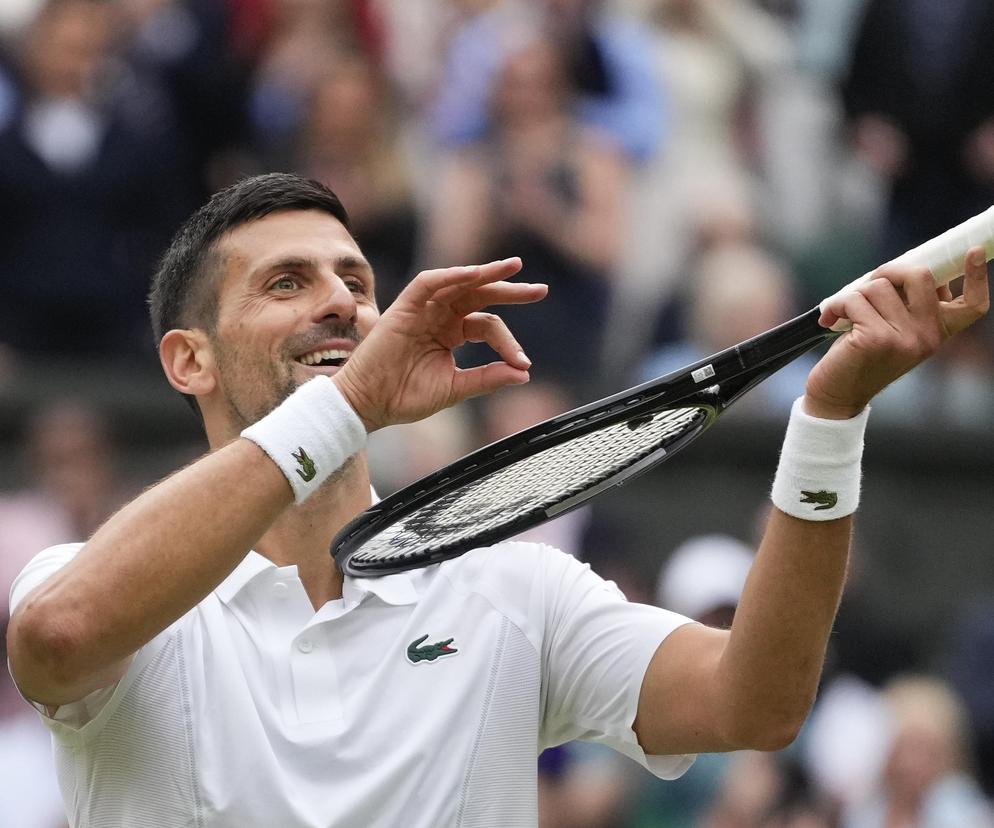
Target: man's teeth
{"type": "Point", "coordinates": [318, 357]}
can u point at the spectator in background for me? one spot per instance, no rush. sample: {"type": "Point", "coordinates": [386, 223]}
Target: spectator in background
{"type": "Point", "coordinates": [737, 290]}
{"type": "Point", "coordinates": [69, 461]}
{"type": "Point", "coordinates": [398, 456]}
{"type": "Point", "coordinates": [713, 57]}
{"type": "Point", "coordinates": [92, 183]}
{"type": "Point", "coordinates": [609, 64]}
{"type": "Point", "coordinates": [937, 156]}
{"type": "Point", "coordinates": [971, 673]}
{"type": "Point", "coordinates": [350, 141]}
{"type": "Point", "coordinates": [544, 187]}
{"type": "Point", "coordinates": [925, 781]}
{"type": "Point", "coordinates": [193, 50]}
{"type": "Point", "coordinates": [766, 790]}
{"type": "Point", "coordinates": [306, 39]}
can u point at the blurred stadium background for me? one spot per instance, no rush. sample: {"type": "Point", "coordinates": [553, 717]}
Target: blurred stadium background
{"type": "Point", "coordinates": [683, 173]}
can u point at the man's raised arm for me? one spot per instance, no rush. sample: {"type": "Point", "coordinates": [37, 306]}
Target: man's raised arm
{"type": "Point", "coordinates": [160, 555]}
{"type": "Point", "coordinates": [753, 686]}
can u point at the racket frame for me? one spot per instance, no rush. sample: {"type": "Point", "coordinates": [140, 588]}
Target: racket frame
{"type": "Point", "coordinates": [711, 384]}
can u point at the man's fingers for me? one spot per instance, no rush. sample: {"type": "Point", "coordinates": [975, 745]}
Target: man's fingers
{"type": "Point", "coordinates": [883, 293]}
{"type": "Point", "coordinates": [499, 293]}
{"type": "Point", "coordinates": [429, 283]}
{"type": "Point", "coordinates": [851, 305]}
{"type": "Point", "coordinates": [489, 328]}
{"type": "Point", "coordinates": [444, 284]}
{"type": "Point", "coordinates": [486, 274]}
{"type": "Point", "coordinates": [472, 382]}
{"type": "Point", "coordinates": [975, 300]}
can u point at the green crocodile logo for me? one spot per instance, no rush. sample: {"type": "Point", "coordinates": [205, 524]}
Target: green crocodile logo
{"type": "Point", "coordinates": [824, 499]}
{"type": "Point", "coordinates": [429, 652]}
{"type": "Point", "coordinates": [307, 468]}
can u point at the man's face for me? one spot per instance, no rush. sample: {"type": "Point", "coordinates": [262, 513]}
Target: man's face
{"type": "Point", "coordinates": [295, 299]}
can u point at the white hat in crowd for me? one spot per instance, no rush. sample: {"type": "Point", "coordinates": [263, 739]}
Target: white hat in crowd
{"type": "Point", "coordinates": [703, 574]}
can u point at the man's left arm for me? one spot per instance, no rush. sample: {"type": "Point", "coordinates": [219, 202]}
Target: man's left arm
{"type": "Point", "coordinates": [752, 686]}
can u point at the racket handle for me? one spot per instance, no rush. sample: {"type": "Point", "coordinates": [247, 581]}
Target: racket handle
{"type": "Point", "coordinates": [945, 255]}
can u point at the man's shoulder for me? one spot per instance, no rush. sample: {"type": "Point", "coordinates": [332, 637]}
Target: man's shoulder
{"type": "Point", "coordinates": [505, 561]}
{"type": "Point", "coordinates": [514, 572]}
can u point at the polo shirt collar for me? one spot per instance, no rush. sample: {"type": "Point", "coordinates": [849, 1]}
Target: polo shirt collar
{"type": "Point", "coordinates": [398, 589]}
{"type": "Point", "coordinates": [251, 566]}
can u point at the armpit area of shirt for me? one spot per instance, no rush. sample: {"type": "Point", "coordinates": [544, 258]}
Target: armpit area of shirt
{"type": "Point", "coordinates": [75, 715]}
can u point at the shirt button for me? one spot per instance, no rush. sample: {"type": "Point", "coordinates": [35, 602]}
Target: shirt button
{"type": "Point", "coordinates": [280, 589]}
{"type": "Point", "coordinates": [305, 645]}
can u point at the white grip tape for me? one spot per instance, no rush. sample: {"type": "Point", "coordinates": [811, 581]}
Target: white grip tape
{"type": "Point", "coordinates": [819, 472]}
{"type": "Point", "coordinates": [309, 435]}
{"type": "Point", "coordinates": [945, 255]}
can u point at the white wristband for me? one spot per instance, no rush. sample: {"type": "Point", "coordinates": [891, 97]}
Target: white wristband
{"type": "Point", "coordinates": [819, 471]}
{"type": "Point", "coordinates": [309, 435]}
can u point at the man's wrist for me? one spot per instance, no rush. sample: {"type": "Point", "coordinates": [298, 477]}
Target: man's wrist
{"type": "Point", "coordinates": [828, 410]}
{"type": "Point", "coordinates": [309, 435]}
{"type": "Point", "coordinates": [818, 477]}
{"type": "Point", "coordinates": [354, 400]}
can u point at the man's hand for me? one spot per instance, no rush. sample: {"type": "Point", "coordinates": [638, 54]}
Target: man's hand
{"type": "Point", "coordinates": [899, 320]}
{"type": "Point", "coordinates": [405, 369]}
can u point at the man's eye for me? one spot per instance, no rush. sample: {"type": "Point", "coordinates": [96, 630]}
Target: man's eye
{"type": "Point", "coordinates": [285, 283]}
{"type": "Point", "coordinates": [356, 285]}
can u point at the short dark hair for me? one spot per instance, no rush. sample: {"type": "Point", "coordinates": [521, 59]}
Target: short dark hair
{"type": "Point", "coordinates": [179, 297]}
{"type": "Point", "coordinates": [184, 287]}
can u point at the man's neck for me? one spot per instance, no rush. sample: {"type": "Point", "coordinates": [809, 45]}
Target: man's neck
{"type": "Point", "coordinates": [302, 535]}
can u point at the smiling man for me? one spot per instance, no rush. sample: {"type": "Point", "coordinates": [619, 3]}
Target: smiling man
{"type": "Point", "coordinates": [201, 661]}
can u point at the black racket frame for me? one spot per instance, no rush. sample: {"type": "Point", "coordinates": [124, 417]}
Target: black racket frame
{"type": "Point", "coordinates": [712, 384]}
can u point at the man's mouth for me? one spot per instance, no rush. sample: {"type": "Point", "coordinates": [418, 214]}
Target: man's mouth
{"type": "Point", "coordinates": [334, 357]}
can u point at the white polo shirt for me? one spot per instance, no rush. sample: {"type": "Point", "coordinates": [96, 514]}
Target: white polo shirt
{"type": "Point", "coordinates": [418, 699]}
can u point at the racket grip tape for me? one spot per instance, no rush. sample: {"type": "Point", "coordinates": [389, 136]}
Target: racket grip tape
{"type": "Point", "coordinates": [945, 255]}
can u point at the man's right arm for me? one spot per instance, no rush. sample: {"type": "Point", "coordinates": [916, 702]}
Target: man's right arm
{"type": "Point", "coordinates": [147, 566]}
{"type": "Point", "coordinates": [164, 552]}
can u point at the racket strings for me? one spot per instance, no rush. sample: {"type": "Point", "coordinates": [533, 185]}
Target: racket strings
{"type": "Point", "coordinates": [534, 483]}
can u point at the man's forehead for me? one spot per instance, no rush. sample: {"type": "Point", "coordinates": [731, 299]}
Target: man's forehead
{"type": "Point", "coordinates": [290, 238]}
{"type": "Point", "coordinates": [309, 232]}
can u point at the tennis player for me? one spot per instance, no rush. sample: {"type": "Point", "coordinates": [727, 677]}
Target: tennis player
{"type": "Point", "coordinates": [200, 661]}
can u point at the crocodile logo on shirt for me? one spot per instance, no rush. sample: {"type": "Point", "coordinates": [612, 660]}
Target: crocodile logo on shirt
{"type": "Point", "coordinates": [307, 468]}
{"type": "Point", "coordinates": [417, 651]}
{"type": "Point", "coordinates": [824, 499]}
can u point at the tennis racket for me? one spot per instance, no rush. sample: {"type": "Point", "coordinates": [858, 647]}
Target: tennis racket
{"type": "Point", "coordinates": [551, 468]}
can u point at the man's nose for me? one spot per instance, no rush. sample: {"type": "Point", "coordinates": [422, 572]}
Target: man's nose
{"type": "Point", "coordinates": [337, 301]}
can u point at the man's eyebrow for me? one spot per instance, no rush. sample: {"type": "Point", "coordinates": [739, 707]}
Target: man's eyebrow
{"type": "Point", "coordinates": [347, 262]}
{"type": "Point", "coordinates": [287, 263]}
{"type": "Point", "coordinates": [354, 263]}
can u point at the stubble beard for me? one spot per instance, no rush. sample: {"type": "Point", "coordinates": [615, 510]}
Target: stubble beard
{"type": "Point", "coordinates": [277, 377]}
{"type": "Point", "coordinates": [242, 408]}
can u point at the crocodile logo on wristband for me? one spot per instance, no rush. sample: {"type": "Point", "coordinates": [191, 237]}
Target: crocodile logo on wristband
{"type": "Point", "coordinates": [824, 499]}
{"type": "Point", "coordinates": [307, 468]}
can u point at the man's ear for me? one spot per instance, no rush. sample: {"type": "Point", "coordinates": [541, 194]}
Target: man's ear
{"type": "Point", "coordinates": [188, 361]}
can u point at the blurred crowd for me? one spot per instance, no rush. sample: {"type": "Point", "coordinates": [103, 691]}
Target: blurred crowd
{"type": "Point", "coordinates": [682, 173]}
